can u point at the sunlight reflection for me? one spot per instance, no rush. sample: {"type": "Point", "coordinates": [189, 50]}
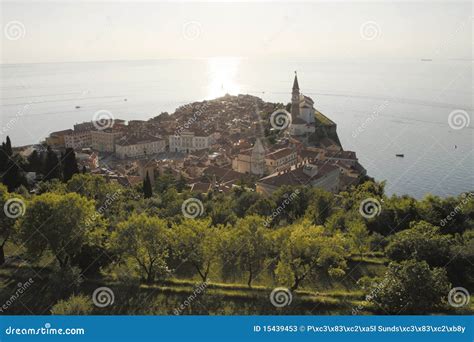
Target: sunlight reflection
{"type": "Point", "coordinates": [222, 72]}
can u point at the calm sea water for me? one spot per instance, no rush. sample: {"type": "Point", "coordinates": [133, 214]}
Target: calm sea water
{"type": "Point", "coordinates": [382, 108]}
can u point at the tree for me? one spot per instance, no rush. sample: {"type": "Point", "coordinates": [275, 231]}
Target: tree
{"type": "Point", "coordinates": [7, 222]}
{"type": "Point", "coordinates": [107, 195]}
{"type": "Point", "coordinates": [320, 207]}
{"type": "Point", "coordinates": [359, 237]}
{"type": "Point", "coordinates": [8, 147]}
{"type": "Point", "coordinates": [195, 242]}
{"type": "Point", "coordinates": [422, 241]}
{"type": "Point", "coordinates": [52, 166]}
{"type": "Point", "coordinates": [247, 245]}
{"type": "Point", "coordinates": [411, 287]}
{"type": "Point", "coordinates": [146, 242]}
{"type": "Point", "coordinates": [147, 189]}
{"type": "Point", "coordinates": [70, 167]}
{"type": "Point", "coordinates": [3, 158]}
{"type": "Point", "coordinates": [307, 250]}
{"type": "Point", "coordinates": [34, 162]}
{"type": "Point", "coordinates": [13, 176]}
{"type": "Point", "coordinates": [61, 224]}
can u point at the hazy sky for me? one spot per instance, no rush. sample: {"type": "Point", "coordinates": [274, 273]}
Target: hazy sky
{"type": "Point", "coordinates": [47, 31]}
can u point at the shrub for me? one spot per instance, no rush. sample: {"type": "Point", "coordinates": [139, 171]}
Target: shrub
{"type": "Point", "coordinates": [74, 305]}
{"type": "Point", "coordinates": [412, 287]}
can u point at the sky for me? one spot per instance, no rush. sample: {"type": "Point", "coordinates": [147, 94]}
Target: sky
{"type": "Point", "coordinates": [65, 31]}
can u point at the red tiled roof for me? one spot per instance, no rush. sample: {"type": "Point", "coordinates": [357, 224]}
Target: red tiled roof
{"type": "Point", "coordinates": [296, 175]}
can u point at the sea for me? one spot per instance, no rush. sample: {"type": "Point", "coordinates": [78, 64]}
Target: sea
{"type": "Point", "coordinates": [419, 108]}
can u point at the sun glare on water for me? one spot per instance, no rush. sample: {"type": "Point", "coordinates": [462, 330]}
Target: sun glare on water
{"type": "Point", "coordinates": [222, 73]}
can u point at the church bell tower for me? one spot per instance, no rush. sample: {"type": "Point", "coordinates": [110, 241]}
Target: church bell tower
{"type": "Point", "coordinates": [295, 98]}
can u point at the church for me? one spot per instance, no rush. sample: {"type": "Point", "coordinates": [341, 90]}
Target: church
{"type": "Point", "coordinates": [302, 112]}
{"type": "Point", "coordinates": [260, 161]}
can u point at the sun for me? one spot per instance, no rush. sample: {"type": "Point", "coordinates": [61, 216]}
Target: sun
{"type": "Point", "coordinates": [222, 73]}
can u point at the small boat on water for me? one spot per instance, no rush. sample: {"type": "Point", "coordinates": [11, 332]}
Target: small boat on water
{"type": "Point", "coordinates": [426, 60]}
{"type": "Point", "coordinates": [400, 155]}
{"type": "Point", "coordinates": [77, 107]}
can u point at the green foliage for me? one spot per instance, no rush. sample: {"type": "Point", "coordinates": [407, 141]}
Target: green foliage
{"type": "Point", "coordinates": [70, 167]}
{"type": "Point", "coordinates": [422, 241]}
{"type": "Point", "coordinates": [307, 250]}
{"type": "Point", "coordinates": [411, 287]}
{"type": "Point", "coordinates": [246, 246]}
{"type": "Point", "coordinates": [61, 224]}
{"type": "Point", "coordinates": [145, 241]}
{"type": "Point", "coordinates": [74, 305]}
{"type": "Point", "coordinates": [359, 237]}
{"type": "Point", "coordinates": [6, 222]}
{"type": "Point", "coordinates": [195, 242]}
{"type": "Point", "coordinates": [147, 189]}
{"type": "Point", "coordinates": [65, 281]}
{"type": "Point", "coordinates": [52, 166]}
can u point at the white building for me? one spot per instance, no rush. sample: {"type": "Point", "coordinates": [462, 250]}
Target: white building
{"type": "Point", "coordinates": [189, 141]}
{"type": "Point", "coordinates": [139, 147]}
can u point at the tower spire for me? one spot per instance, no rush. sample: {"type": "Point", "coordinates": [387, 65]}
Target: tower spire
{"type": "Point", "coordinates": [295, 98]}
{"type": "Point", "coordinates": [295, 82]}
